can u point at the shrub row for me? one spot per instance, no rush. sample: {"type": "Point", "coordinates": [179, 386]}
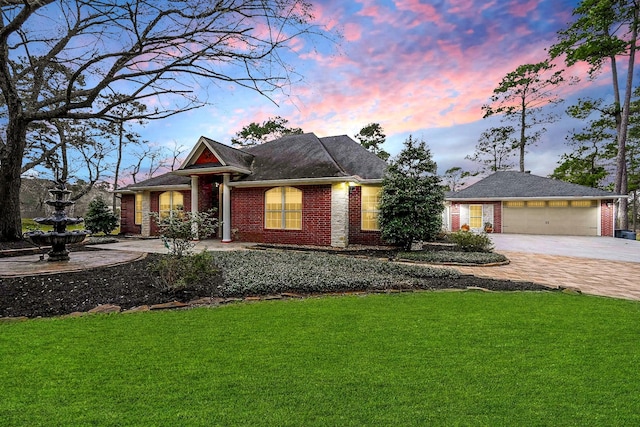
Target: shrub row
{"type": "Point", "coordinates": [271, 272]}
{"type": "Point", "coordinates": [453, 257]}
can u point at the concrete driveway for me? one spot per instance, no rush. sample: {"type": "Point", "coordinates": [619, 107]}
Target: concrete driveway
{"type": "Point", "coordinates": [594, 265]}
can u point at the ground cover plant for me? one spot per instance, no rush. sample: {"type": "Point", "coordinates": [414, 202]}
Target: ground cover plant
{"type": "Point", "coordinates": [161, 278]}
{"type": "Point", "coordinates": [453, 257]}
{"type": "Point", "coordinates": [428, 358]}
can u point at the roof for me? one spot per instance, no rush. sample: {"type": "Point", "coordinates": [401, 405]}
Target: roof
{"type": "Point", "coordinates": [292, 157]}
{"type": "Point", "coordinates": [512, 184]}
{"type": "Point", "coordinates": [307, 156]}
{"type": "Point", "coordinates": [165, 180]}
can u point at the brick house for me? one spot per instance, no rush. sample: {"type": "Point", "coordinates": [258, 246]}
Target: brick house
{"type": "Point", "coordinates": [299, 189]}
{"type": "Point", "coordinates": [522, 203]}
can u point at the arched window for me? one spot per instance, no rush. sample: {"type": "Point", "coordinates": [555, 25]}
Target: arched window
{"type": "Point", "coordinates": [138, 209]}
{"type": "Point", "coordinates": [283, 208]}
{"type": "Point", "coordinates": [171, 202]}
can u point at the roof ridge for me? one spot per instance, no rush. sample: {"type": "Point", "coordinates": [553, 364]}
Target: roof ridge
{"type": "Point", "coordinates": [335, 162]}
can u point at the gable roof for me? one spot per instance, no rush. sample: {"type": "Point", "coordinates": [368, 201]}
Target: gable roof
{"type": "Point", "coordinates": [306, 156]}
{"type": "Point", "coordinates": [229, 159]}
{"type": "Point", "coordinates": [521, 185]}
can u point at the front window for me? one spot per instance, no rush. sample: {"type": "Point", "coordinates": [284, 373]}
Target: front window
{"type": "Point", "coordinates": [283, 208]}
{"type": "Point", "coordinates": [171, 203]}
{"type": "Point", "coordinates": [475, 216]}
{"type": "Point", "coordinates": [370, 204]}
{"type": "Point", "coordinates": [138, 209]}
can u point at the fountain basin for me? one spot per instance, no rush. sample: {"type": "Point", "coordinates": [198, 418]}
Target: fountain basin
{"type": "Point", "coordinates": [57, 241]}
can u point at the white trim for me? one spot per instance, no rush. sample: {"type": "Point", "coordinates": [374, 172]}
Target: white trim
{"type": "Point", "coordinates": [212, 170]}
{"type": "Point", "coordinates": [226, 209]}
{"type": "Point", "coordinates": [197, 150]}
{"type": "Point", "coordinates": [500, 199]}
{"type": "Point", "coordinates": [133, 190]}
{"type": "Point", "coordinates": [304, 181]}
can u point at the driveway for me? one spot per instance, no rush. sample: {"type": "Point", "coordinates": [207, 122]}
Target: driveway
{"type": "Point", "coordinates": [594, 265]}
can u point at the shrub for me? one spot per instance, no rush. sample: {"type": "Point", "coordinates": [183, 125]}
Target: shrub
{"type": "Point", "coordinates": [471, 242]}
{"type": "Point", "coordinates": [179, 230]}
{"type": "Point", "coordinates": [180, 272]}
{"type": "Point", "coordinates": [453, 257]}
{"type": "Point", "coordinates": [99, 218]}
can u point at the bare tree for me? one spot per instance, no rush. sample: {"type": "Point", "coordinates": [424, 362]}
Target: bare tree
{"type": "Point", "coordinates": [141, 48]}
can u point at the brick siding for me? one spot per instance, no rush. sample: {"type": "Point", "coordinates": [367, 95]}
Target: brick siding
{"type": "Point", "coordinates": [247, 217]}
{"type": "Point", "coordinates": [357, 236]}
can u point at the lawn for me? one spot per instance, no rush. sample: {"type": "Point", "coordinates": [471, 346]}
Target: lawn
{"type": "Point", "coordinates": [424, 358]}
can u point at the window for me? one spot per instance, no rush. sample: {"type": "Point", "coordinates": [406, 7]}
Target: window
{"type": "Point", "coordinates": [138, 209]}
{"type": "Point", "coordinates": [475, 216]}
{"type": "Point", "coordinates": [536, 204]}
{"type": "Point", "coordinates": [171, 202]}
{"type": "Point", "coordinates": [514, 204]}
{"type": "Point", "coordinates": [283, 208]}
{"type": "Point", "coordinates": [370, 206]}
{"type": "Point", "coordinates": [558, 203]}
{"type": "Point", "coordinates": [583, 203]}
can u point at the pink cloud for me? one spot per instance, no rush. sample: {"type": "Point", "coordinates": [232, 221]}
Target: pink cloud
{"type": "Point", "coordinates": [523, 9]}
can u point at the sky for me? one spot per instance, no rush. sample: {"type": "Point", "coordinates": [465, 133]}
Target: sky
{"type": "Point", "coordinates": [417, 67]}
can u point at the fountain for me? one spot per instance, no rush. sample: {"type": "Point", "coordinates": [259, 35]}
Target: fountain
{"type": "Point", "coordinates": [59, 238]}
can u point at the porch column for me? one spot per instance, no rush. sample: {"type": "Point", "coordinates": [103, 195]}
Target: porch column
{"type": "Point", "coordinates": [194, 202]}
{"type": "Point", "coordinates": [226, 209]}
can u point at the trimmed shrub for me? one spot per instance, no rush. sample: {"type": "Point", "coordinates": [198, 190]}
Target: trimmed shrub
{"type": "Point", "coordinates": [457, 257]}
{"type": "Point", "coordinates": [471, 242]}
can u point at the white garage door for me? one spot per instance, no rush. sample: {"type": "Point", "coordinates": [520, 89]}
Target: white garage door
{"type": "Point", "coordinates": [559, 217]}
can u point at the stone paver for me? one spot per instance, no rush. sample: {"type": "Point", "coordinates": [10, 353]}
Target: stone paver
{"type": "Point", "coordinates": [591, 276]}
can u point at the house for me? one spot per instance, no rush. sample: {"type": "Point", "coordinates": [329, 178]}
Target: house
{"type": "Point", "coordinates": [522, 203]}
{"type": "Point", "coordinates": [299, 189]}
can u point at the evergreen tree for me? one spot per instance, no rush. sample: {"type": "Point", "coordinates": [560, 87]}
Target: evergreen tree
{"type": "Point", "coordinates": [412, 197]}
{"type": "Point", "coordinates": [372, 137]}
{"type": "Point", "coordinates": [99, 217]}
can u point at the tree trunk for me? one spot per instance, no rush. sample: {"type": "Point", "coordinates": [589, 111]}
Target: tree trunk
{"type": "Point", "coordinates": [523, 138]}
{"type": "Point", "coordinates": [10, 168]}
{"type": "Point", "coordinates": [621, 185]}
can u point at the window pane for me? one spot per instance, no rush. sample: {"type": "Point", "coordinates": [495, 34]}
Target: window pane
{"type": "Point", "coordinates": [273, 199]}
{"type": "Point", "coordinates": [273, 220]}
{"type": "Point", "coordinates": [475, 216]}
{"type": "Point", "coordinates": [293, 220]}
{"type": "Point", "coordinates": [138, 210]}
{"type": "Point", "coordinates": [370, 207]}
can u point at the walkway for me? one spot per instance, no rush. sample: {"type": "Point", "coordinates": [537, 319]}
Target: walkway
{"type": "Point", "coordinates": [594, 265]}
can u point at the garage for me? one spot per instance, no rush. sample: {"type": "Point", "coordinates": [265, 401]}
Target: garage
{"type": "Point", "coordinates": [522, 203]}
{"type": "Point", "coordinates": [554, 217]}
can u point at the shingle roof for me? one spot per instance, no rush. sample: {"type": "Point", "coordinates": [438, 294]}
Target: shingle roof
{"type": "Point", "coordinates": [307, 156]}
{"type": "Point", "coordinates": [354, 158]}
{"type": "Point", "coordinates": [512, 184]}
{"type": "Point", "coordinates": [229, 155]}
{"type": "Point", "coordinates": [167, 179]}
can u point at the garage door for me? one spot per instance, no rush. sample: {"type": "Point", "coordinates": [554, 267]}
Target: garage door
{"type": "Point", "coordinates": [559, 217]}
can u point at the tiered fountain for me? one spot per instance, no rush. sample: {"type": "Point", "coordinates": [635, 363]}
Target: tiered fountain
{"type": "Point", "coordinates": [59, 238]}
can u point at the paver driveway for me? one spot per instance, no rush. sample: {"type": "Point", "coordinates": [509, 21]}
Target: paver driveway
{"type": "Point", "coordinates": [594, 265]}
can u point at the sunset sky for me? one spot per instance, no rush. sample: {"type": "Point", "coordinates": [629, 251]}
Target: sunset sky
{"type": "Point", "coordinates": [420, 67]}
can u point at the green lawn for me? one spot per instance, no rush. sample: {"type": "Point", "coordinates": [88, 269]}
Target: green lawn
{"type": "Point", "coordinates": [428, 358]}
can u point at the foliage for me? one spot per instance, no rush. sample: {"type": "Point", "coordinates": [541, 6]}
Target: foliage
{"type": "Point", "coordinates": [412, 198]}
{"type": "Point", "coordinates": [454, 177]}
{"type": "Point", "coordinates": [494, 149]}
{"type": "Point", "coordinates": [411, 359]}
{"type": "Point", "coordinates": [256, 133]}
{"type": "Point", "coordinates": [268, 272]}
{"type": "Point", "coordinates": [99, 218]}
{"type": "Point", "coordinates": [68, 69]}
{"type": "Point", "coordinates": [602, 32]}
{"type": "Point", "coordinates": [179, 229]}
{"type": "Point", "coordinates": [372, 138]}
{"type": "Point", "coordinates": [179, 272]}
{"type": "Point", "coordinates": [453, 257]}
{"type": "Point", "coordinates": [468, 241]}
{"type": "Point", "coordinates": [521, 97]}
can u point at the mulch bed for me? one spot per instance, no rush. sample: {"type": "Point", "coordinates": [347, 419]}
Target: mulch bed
{"type": "Point", "coordinates": [137, 283]}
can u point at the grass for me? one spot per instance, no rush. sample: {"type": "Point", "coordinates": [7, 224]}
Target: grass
{"type": "Point", "coordinates": [29, 224]}
{"type": "Point", "coordinates": [432, 358]}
